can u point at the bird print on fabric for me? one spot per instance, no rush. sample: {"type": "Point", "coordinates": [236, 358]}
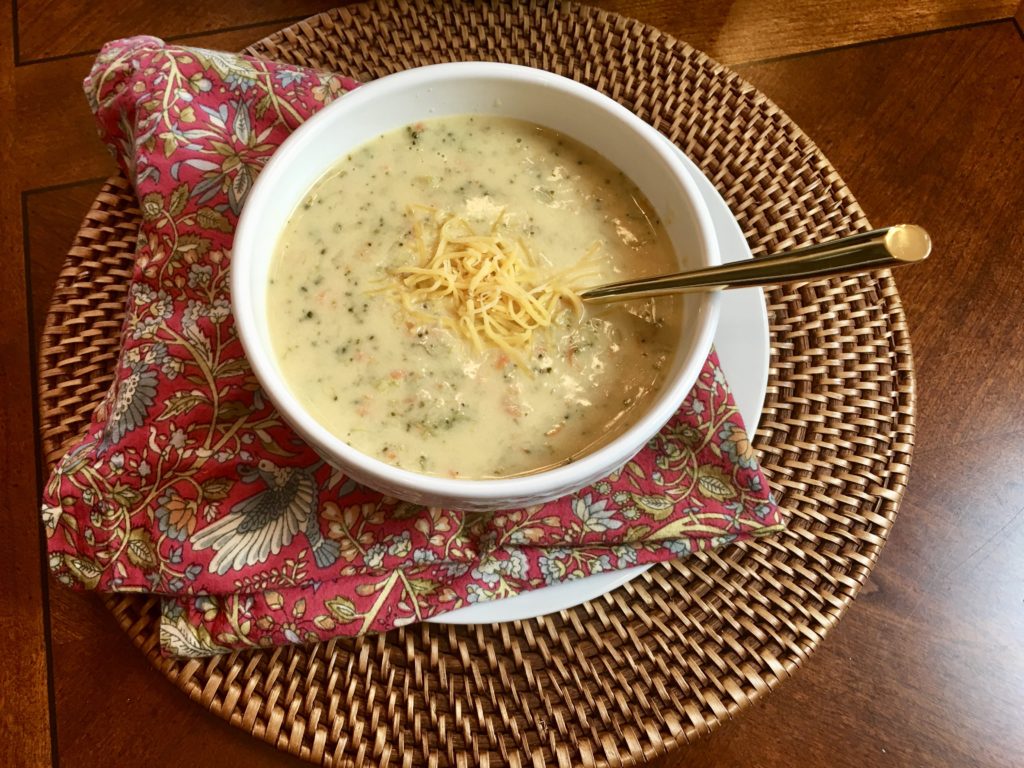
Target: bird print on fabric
{"type": "Point", "coordinates": [131, 402]}
{"type": "Point", "coordinates": [266, 522]}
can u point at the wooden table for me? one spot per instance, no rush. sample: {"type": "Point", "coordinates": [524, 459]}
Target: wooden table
{"type": "Point", "coordinates": [920, 106]}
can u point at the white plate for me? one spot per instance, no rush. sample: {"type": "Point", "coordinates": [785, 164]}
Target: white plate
{"type": "Point", "coordinates": [743, 349]}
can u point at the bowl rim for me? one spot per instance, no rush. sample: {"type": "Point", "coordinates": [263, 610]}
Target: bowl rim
{"type": "Point", "coordinates": [546, 483]}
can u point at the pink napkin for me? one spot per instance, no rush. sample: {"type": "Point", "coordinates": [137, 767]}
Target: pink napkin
{"type": "Point", "coordinates": [189, 485]}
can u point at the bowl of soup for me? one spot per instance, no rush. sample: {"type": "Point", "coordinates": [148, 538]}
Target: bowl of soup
{"type": "Point", "coordinates": [406, 275]}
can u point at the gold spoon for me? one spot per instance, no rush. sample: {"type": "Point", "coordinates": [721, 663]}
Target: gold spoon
{"type": "Point", "coordinates": [878, 249]}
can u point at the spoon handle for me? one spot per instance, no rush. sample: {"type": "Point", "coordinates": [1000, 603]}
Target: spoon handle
{"type": "Point", "coordinates": [878, 249]}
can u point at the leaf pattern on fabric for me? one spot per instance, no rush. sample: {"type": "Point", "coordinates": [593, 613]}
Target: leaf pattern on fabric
{"type": "Point", "coordinates": [188, 484]}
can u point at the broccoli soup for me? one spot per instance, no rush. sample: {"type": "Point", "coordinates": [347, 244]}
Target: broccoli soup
{"type": "Point", "coordinates": [423, 299]}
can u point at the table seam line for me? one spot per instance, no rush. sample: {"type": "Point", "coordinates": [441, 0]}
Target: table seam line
{"type": "Point", "coordinates": [44, 583]}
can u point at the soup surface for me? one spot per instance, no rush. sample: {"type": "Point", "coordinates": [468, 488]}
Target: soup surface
{"type": "Point", "coordinates": [410, 389]}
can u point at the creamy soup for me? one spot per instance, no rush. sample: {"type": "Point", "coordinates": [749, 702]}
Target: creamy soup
{"type": "Point", "coordinates": [393, 377]}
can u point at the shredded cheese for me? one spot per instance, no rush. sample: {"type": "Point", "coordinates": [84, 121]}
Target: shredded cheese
{"type": "Point", "coordinates": [485, 286]}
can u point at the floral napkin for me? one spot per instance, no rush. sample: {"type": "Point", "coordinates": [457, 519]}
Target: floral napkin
{"type": "Point", "coordinates": [188, 484]}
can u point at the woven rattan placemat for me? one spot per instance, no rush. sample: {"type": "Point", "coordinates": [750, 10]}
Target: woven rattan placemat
{"type": "Point", "coordinates": [671, 655]}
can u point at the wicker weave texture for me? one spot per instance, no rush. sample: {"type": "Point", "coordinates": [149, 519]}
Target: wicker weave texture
{"type": "Point", "coordinates": [674, 653]}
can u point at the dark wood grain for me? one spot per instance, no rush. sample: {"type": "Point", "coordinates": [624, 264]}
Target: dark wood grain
{"type": "Point", "coordinates": [736, 32]}
{"type": "Point", "coordinates": [114, 709]}
{"type": "Point", "coordinates": [930, 130]}
{"type": "Point", "coordinates": [49, 28]}
{"type": "Point", "coordinates": [730, 31]}
{"type": "Point", "coordinates": [927, 668]}
{"type": "Point", "coordinates": [50, 99]}
{"type": "Point", "coordinates": [24, 695]}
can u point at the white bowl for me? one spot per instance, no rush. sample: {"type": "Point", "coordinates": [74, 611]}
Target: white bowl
{"type": "Point", "coordinates": [490, 89]}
